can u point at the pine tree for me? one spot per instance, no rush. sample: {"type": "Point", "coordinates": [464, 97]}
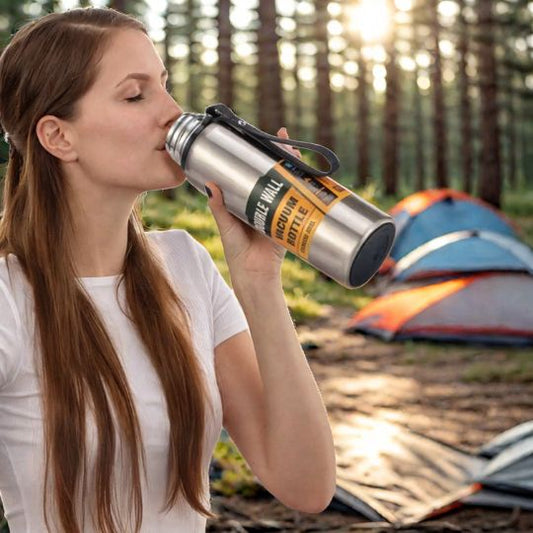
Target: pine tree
{"type": "Point", "coordinates": [439, 110]}
{"type": "Point", "coordinates": [270, 98]}
{"type": "Point", "coordinates": [324, 101]}
{"type": "Point", "coordinates": [225, 61]}
{"type": "Point", "coordinates": [465, 111]}
{"type": "Point", "coordinates": [418, 115]}
{"type": "Point", "coordinates": [490, 179]}
{"type": "Point", "coordinates": [392, 102]}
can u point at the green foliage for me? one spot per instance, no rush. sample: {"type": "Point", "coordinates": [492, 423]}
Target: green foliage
{"type": "Point", "coordinates": [235, 475]}
{"type": "Point", "coordinates": [515, 366]}
{"type": "Point", "coordinates": [519, 206]}
{"type": "Point", "coordinates": [306, 291]}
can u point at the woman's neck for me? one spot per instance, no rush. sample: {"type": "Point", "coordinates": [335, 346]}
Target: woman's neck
{"type": "Point", "coordinates": [100, 237]}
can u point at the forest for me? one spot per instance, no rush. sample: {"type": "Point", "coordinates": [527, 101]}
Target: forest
{"type": "Point", "coordinates": [411, 94]}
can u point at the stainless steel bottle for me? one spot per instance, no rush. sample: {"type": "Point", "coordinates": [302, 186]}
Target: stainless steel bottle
{"type": "Point", "coordinates": [298, 206]}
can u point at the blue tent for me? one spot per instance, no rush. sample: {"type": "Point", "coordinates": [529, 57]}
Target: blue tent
{"type": "Point", "coordinates": [464, 252]}
{"type": "Point", "coordinates": [426, 215]}
{"type": "Point", "coordinates": [458, 272]}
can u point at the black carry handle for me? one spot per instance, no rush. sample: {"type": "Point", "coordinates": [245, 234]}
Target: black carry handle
{"type": "Point", "coordinates": [222, 113]}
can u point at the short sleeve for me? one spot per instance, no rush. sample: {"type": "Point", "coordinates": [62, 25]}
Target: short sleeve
{"type": "Point", "coordinates": [10, 328]}
{"type": "Point", "coordinates": [228, 316]}
{"type": "Point", "coordinates": [199, 281]}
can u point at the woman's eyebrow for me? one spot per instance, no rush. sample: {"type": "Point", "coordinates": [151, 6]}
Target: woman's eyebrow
{"type": "Point", "coordinates": [139, 76]}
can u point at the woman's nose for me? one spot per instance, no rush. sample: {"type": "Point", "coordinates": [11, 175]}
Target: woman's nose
{"type": "Point", "coordinates": [172, 111]}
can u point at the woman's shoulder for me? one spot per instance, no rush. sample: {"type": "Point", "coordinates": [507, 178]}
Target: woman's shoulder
{"type": "Point", "coordinates": [11, 273]}
{"type": "Point", "coordinates": [11, 285]}
{"type": "Point", "coordinates": [178, 244]}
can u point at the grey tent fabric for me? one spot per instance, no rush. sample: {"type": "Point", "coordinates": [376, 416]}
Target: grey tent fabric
{"type": "Point", "coordinates": [507, 438]}
{"type": "Point", "coordinates": [511, 469]}
{"type": "Point", "coordinates": [388, 472]}
{"type": "Point", "coordinates": [486, 308]}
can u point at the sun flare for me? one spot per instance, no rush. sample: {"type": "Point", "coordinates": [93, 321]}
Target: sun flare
{"type": "Point", "coordinates": [371, 19]}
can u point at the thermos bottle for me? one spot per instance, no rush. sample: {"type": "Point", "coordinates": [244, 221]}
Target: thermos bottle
{"type": "Point", "coordinates": [276, 193]}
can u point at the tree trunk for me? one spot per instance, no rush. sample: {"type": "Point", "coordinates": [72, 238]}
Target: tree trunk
{"type": "Point", "coordinates": [511, 135]}
{"type": "Point", "coordinates": [363, 145]}
{"type": "Point", "coordinates": [225, 62]}
{"type": "Point", "coordinates": [439, 112]}
{"type": "Point", "coordinates": [390, 122]}
{"type": "Point", "coordinates": [419, 126]}
{"type": "Point", "coordinates": [168, 60]}
{"type": "Point", "coordinates": [490, 179]}
{"type": "Point", "coordinates": [192, 59]}
{"type": "Point", "coordinates": [297, 102]}
{"type": "Point", "coordinates": [324, 102]}
{"type": "Point", "coordinates": [464, 104]}
{"type": "Point", "coordinates": [270, 99]}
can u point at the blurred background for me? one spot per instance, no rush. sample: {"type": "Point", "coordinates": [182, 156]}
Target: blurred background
{"type": "Point", "coordinates": [411, 94]}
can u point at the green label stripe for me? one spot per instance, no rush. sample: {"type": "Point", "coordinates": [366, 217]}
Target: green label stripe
{"type": "Point", "coordinates": [264, 200]}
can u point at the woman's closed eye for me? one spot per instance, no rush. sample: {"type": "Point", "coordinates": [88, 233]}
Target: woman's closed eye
{"type": "Point", "coordinates": [136, 98]}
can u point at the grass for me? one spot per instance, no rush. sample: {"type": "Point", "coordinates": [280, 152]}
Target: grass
{"type": "Point", "coordinates": [519, 207]}
{"type": "Point", "coordinates": [513, 366]}
{"type": "Point", "coordinates": [306, 292]}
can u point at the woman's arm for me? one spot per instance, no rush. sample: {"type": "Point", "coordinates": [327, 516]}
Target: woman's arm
{"type": "Point", "coordinates": [272, 407]}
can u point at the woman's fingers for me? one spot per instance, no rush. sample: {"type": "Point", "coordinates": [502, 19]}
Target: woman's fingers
{"type": "Point", "coordinates": [216, 204]}
{"type": "Point", "coordinates": [283, 134]}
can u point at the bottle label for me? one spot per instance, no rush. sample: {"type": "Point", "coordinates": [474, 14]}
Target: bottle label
{"type": "Point", "coordinates": [288, 205]}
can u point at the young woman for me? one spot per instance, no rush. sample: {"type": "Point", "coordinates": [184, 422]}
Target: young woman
{"type": "Point", "coordinates": [122, 353]}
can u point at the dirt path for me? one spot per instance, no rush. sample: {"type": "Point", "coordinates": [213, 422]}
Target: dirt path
{"type": "Point", "coordinates": [419, 386]}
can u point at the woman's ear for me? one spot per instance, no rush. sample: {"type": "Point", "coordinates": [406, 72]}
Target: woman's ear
{"type": "Point", "coordinates": [53, 134]}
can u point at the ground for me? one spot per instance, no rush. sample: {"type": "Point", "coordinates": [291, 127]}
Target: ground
{"type": "Point", "coordinates": [448, 393]}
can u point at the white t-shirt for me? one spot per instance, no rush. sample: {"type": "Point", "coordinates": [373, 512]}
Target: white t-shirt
{"type": "Point", "coordinates": [215, 316]}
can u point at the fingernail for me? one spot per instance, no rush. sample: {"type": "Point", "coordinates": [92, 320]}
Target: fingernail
{"type": "Point", "coordinates": [208, 191]}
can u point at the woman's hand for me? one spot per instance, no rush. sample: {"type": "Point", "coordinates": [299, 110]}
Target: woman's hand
{"type": "Point", "coordinates": [249, 254]}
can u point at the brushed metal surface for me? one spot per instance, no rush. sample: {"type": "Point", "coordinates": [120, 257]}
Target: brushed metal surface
{"type": "Point", "coordinates": [351, 226]}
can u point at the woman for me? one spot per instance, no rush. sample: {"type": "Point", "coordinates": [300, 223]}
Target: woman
{"type": "Point", "coordinates": [122, 353]}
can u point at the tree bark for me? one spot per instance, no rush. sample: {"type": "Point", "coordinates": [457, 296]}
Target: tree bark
{"type": "Point", "coordinates": [390, 123]}
{"type": "Point", "coordinates": [324, 102]}
{"type": "Point", "coordinates": [270, 99]}
{"type": "Point", "coordinates": [192, 59]}
{"type": "Point", "coordinates": [363, 145]}
{"type": "Point", "coordinates": [439, 111]}
{"type": "Point", "coordinates": [225, 62]}
{"type": "Point", "coordinates": [511, 135]}
{"type": "Point", "coordinates": [490, 179]}
{"type": "Point", "coordinates": [168, 60]}
{"type": "Point", "coordinates": [464, 103]}
{"type": "Point", "coordinates": [419, 126]}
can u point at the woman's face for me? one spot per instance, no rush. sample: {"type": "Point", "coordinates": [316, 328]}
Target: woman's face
{"type": "Point", "coordinates": [122, 121]}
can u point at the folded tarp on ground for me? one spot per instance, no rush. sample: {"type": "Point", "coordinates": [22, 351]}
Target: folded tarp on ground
{"type": "Point", "coordinates": [387, 472]}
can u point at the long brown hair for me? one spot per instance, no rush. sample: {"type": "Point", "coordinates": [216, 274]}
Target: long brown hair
{"type": "Point", "coordinates": [47, 67]}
